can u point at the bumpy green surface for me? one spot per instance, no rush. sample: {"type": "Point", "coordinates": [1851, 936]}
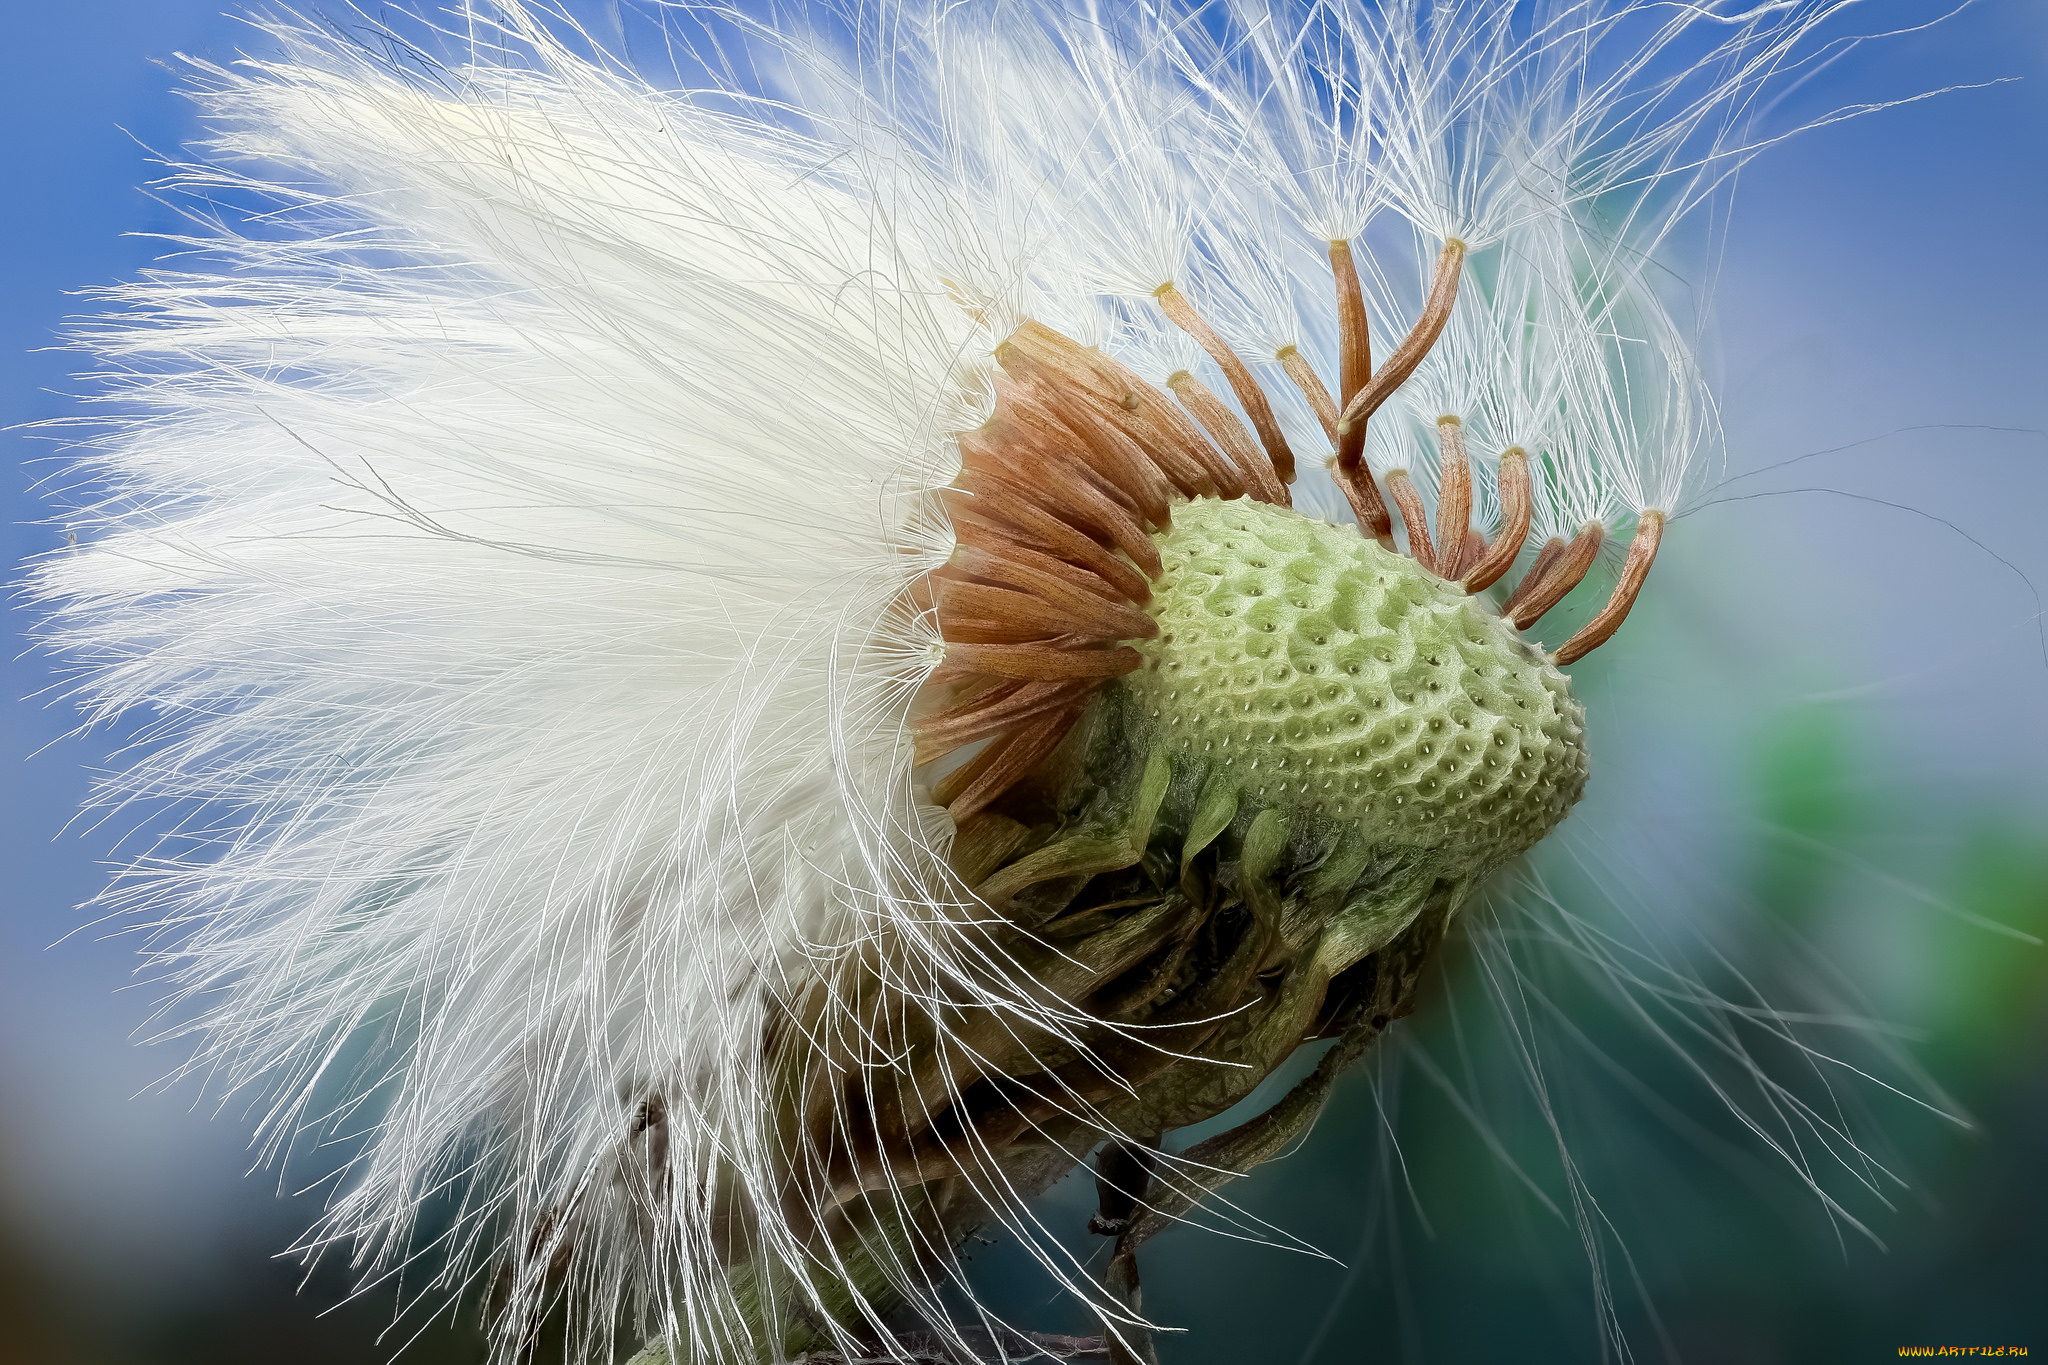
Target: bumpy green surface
{"type": "Point", "coordinates": [1340, 683]}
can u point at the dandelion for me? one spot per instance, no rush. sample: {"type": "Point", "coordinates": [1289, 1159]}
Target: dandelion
{"type": "Point", "coordinates": [766, 667]}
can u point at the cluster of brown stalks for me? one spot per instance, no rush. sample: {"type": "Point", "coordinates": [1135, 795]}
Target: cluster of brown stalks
{"type": "Point", "coordinates": [1060, 490]}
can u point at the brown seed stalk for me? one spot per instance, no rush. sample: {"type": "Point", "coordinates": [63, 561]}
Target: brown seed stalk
{"type": "Point", "coordinates": [990, 711]}
{"type": "Point", "coordinates": [1037, 662]}
{"type": "Point", "coordinates": [1499, 557]}
{"type": "Point", "coordinates": [1413, 517]}
{"type": "Point", "coordinates": [1250, 396]}
{"type": "Point", "coordinates": [1367, 504]}
{"type": "Point", "coordinates": [1532, 580]}
{"type": "Point", "coordinates": [997, 768]}
{"type": "Point", "coordinates": [1564, 575]}
{"type": "Point", "coordinates": [1642, 552]}
{"type": "Point", "coordinates": [998, 525]}
{"type": "Point", "coordinates": [1038, 615]}
{"type": "Point", "coordinates": [1034, 406]}
{"type": "Point", "coordinates": [1354, 349]}
{"type": "Point", "coordinates": [1097, 388]}
{"type": "Point", "coordinates": [1354, 365]}
{"type": "Point", "coordinates": [1064, 495]}
{"type": "Point", "coordinates": [1453, 496]}
{"type": "Point", "coordinates": [1153, 423]}
{"type": "Point", "coordinates": [1227, 430]}
{"type": "Point", "coordinates": [1019, 566]}
{"type": "Point", "coordinates": [1436, 311]}
{"type": "Point", "coordinates": [1311, 385]}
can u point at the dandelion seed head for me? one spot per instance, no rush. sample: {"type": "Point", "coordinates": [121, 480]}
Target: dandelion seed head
{"type": "Point", "coordinates": [614, 568]}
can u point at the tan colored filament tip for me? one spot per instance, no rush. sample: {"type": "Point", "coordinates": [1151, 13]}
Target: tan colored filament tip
{"type": "Point", "coordinates": [1499, 557]}
{"type": "Point", "coordinates": [1436, 311]}
{"type": "Point", "coordinates": [1532, 580]}
{"type": "Point", "coordinates": [1227, 430]}
{"type": "Point", "coordinates": [1250, 396]}
{"type": "Point", "coordinates": [1354, 351]}
{"type": "Point", "coordinates": [1311, 385]}
{"type": "Point", "coordinates": [1564, 575]}
{"type": "Point", "coordinates": [1367, 504]}
{"type": "Point", "coordinates": [1354, 372]}
{"type": "Point", "coordinates": [1412, 516]}
{"type": "Point", "coordinates": [1642, 552]}
{"type": "Point", "coordinates": [1453, 496]}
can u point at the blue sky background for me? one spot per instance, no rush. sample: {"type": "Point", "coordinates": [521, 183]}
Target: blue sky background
{"type": "Point", "coordinates": [1883, 298]}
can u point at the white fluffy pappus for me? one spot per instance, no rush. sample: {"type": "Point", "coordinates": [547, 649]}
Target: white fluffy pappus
{"type": "Point", "coordinates": [509, 525]}
{"type": "Point", "coordinates": [511, 543]}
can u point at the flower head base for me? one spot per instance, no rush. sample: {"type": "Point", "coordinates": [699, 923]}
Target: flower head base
{"type": "Point", "coordinates": [1313, 672]}
{"type": "Point", "coordinates": [1068, 494]}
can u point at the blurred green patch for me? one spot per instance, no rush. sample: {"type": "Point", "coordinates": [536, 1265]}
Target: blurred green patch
{"type": "Point", "coordinates": [1807, 793]}
{"type": "Point", "coordinates": [1989, 989]}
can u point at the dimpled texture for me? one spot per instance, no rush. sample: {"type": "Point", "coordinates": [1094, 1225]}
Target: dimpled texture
{"type": "Point", "coordinates": [1332, 678]}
